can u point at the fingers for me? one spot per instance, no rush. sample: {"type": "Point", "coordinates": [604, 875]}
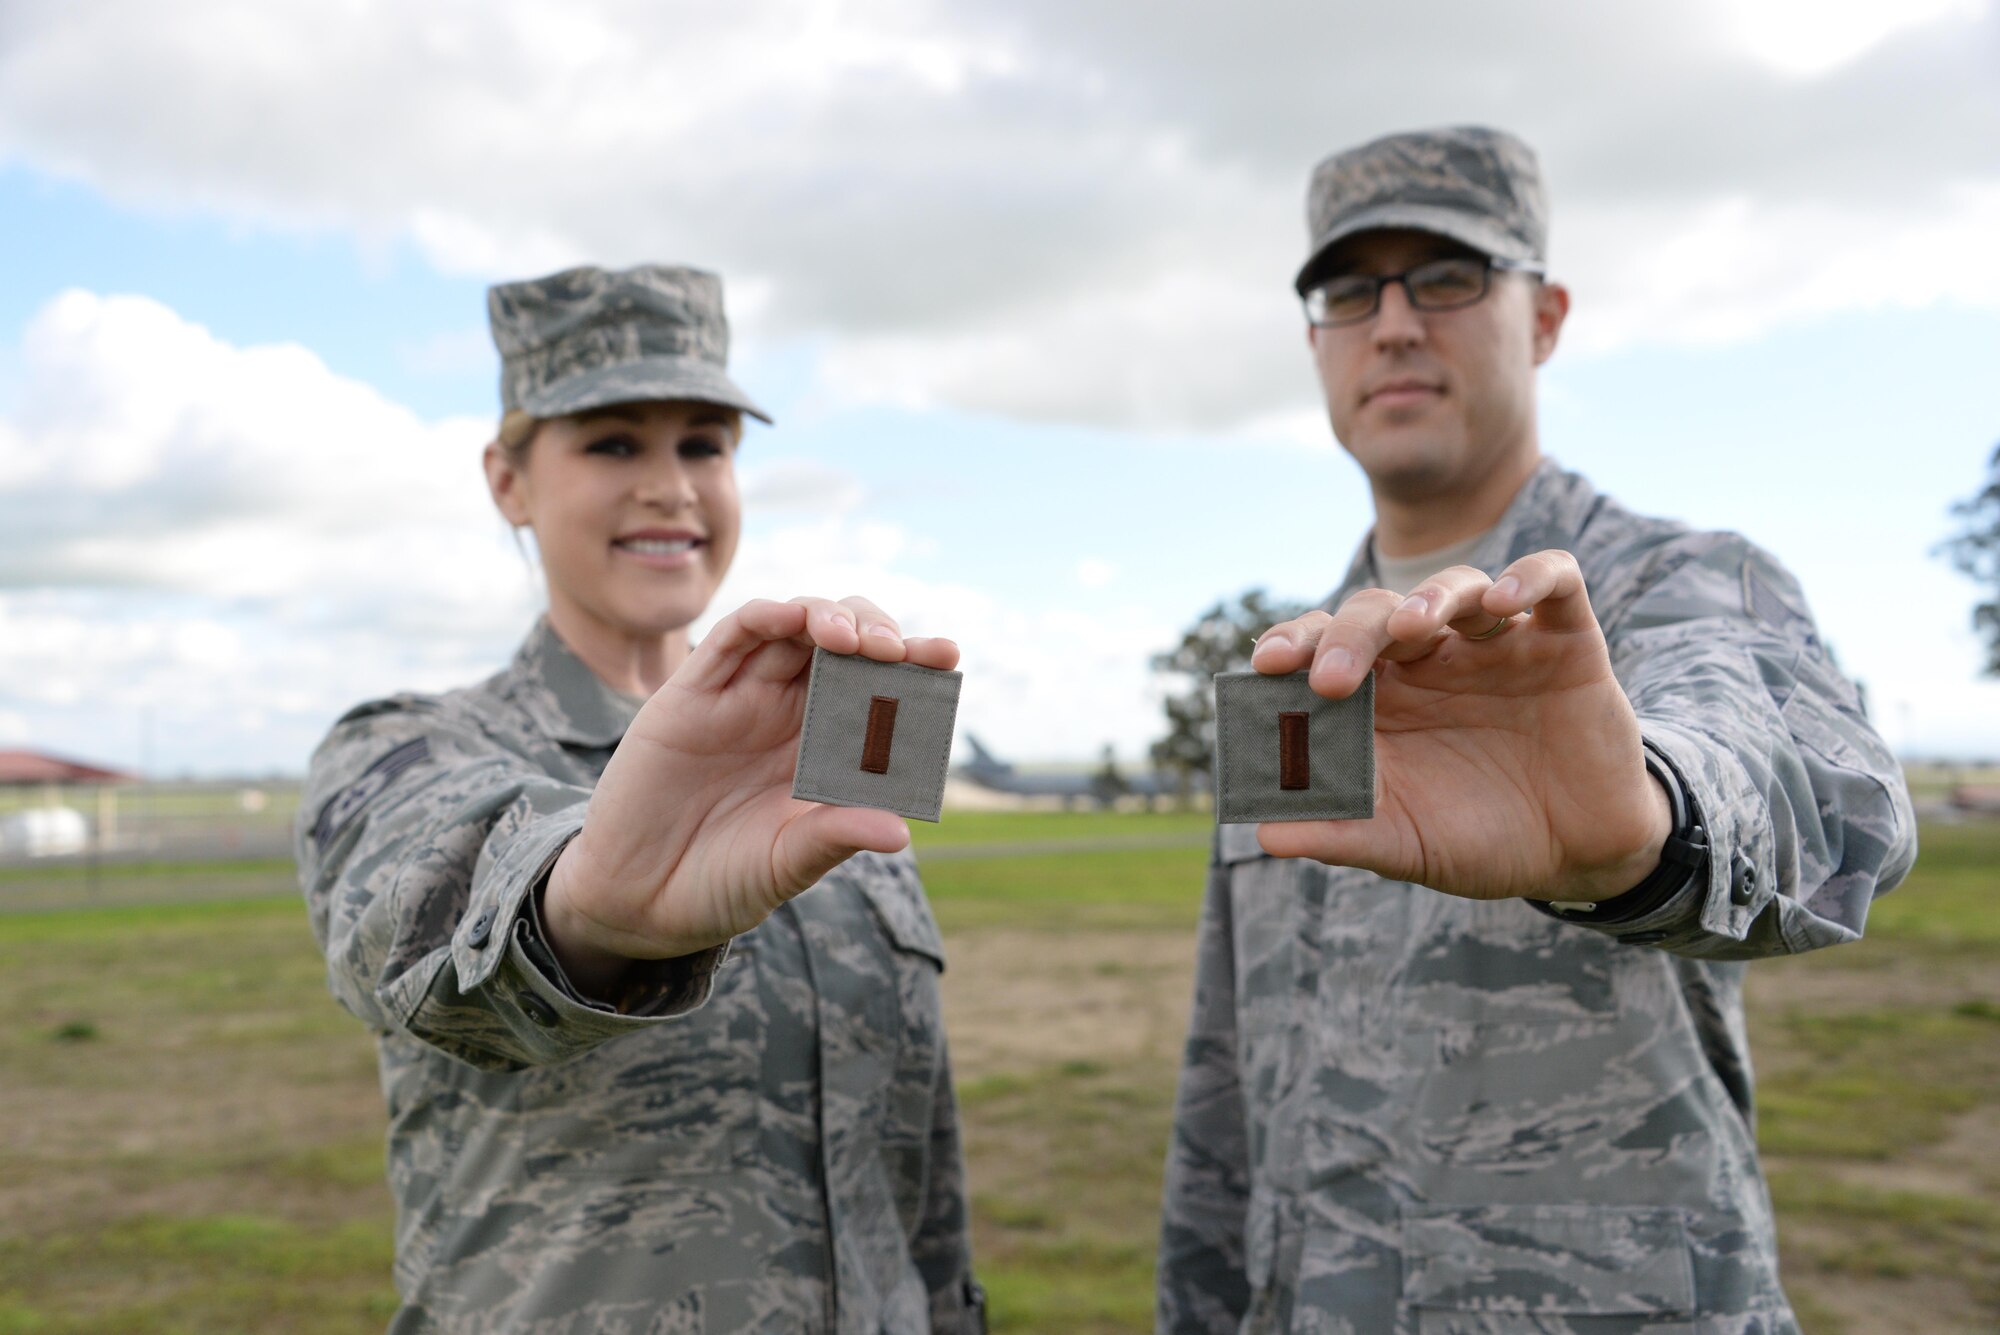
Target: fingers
{"type": "Point", "coordinates": [1448, 598]}
{"type": "Point", "coordinates": [855, 625]}
{"type": "Point", "coordinates": [881, 637]}
{"type": "Point", "coordinates": [1289, 645]}
{"type": "Point", "coordinates": [721, 653]}
{"type": "Point", "coordinates": [832, 625]}
{"type": "Point", "coordinates": [1359, 634]}
{"type": "Point", "coordinates": [1550, 585]}
{"type": "Point", "coordinates": [848, 626]}
{"type": "Point", "coordinates": [931, 652]}
{"type": "Point", "coordinates": [1374, 623]}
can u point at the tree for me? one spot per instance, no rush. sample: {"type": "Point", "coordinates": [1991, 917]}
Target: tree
{"type": "Point", "coordinates": [1975, 550]}
{"type": "Point", "coordinates": [1108, 783]}
{"type": "Point", "coordinates": [1220, 641]}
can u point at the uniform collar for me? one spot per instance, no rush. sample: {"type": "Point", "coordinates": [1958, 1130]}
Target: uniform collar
{"type": "Point", "coordinates": [1549, 510]}
{"type": "Point", "coordinates": [567, 701]}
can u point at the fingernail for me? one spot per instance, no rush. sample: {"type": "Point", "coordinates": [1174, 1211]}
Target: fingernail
{"type": "Point", "coordinates": [1271, 639]}
{"type": "Point", "coordinates": [1415, 603]}
{"type": "Point", "coordinates": [1339, 661]}
{"type": "Point", "coordinates": [1508, 587]}
{"type": "Point", "coordinates": [881, 631]}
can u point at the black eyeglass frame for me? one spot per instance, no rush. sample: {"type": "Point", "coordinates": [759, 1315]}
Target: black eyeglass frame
{"type": "Point", "coordinates": [1487, 263]}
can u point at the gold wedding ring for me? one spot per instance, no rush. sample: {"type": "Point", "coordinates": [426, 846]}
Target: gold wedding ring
{"type": "Point", "coordinates": [1493, 629]}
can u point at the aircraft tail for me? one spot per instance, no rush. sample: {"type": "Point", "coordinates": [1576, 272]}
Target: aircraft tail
{"type": "Point", "coordinates": [984, 761]}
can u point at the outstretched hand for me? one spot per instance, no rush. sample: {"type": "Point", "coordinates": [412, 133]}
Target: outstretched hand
{"type": "Point", "coordinates": [692, 835]}
{"type": "Point", "coordinates": [1508, 759]}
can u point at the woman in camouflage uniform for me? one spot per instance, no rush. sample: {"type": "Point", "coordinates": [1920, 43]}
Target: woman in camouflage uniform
{"type": "Point", "coordinates": [633, 1084]}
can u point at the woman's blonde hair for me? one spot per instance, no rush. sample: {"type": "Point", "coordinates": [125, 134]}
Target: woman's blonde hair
{"type": "Point", "coordinates": [516, 433]}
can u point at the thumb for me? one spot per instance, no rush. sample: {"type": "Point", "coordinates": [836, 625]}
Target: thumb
{"type": "Point", "coordinates": [820, 838]}
{"type": "Point", "coordinates": [1375, 845]}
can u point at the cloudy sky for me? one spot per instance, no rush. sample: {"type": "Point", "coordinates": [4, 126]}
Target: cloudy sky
{"type": "Point", "coordinates": [1013, 278]}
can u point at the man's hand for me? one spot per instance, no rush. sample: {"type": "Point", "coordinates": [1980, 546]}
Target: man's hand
{"type": "Point", "coordinates": [692, 835]}
{"type": "Point", "coordinates": [1507, 756]}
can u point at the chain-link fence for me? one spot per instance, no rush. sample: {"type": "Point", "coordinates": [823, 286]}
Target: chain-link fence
{"type": "Point", "coordinates": [67, 845]}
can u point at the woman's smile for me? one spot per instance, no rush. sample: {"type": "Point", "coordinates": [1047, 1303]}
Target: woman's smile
{"type": "Point", "coordinates": [661, 549]}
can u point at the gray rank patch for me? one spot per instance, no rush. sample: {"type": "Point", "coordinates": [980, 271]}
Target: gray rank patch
{"type": "Point", "coordinates": [1285, 753]}
{"type": "Point", "coordinates": [876, 735]}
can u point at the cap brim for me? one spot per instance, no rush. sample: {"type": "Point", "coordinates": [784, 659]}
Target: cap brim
{"type": "Point", "coordinates": [649, 378]}
{"type": "Point", "coordinates": [1486, 238]}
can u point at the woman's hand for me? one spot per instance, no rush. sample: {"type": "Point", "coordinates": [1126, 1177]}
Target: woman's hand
{"type": "Point", "coordinates": [692, 835]}
{"type": "Point", "coordinates": [1507, 755]}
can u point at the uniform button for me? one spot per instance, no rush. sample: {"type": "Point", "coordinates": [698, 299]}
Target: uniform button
{"type": "Point", "coordinates": [1743, 885]}
{"type": "Point", "coordinates": [538, 1010]}
{"type": "Point", "coordinates": [482, 928]}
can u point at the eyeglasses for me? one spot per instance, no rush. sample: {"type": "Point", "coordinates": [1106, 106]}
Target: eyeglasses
{"type": "Point", "coordinates": [1435, 285]}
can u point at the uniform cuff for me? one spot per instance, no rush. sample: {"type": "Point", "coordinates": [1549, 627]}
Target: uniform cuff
{"type": "Point", "coordinates": [1668, 903]}
{"type": "Point", "coordinates": [652, 989]}
{"type": "Point", "coordinates": [510, 1008]}
{"type": "Point", "coordinates": [1742, 856]}
{"type": "Point", "coordinates": [1732, 886]}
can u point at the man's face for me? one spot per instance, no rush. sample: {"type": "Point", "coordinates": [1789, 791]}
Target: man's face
{"type": "Point", "coordinates": [1431, 403]}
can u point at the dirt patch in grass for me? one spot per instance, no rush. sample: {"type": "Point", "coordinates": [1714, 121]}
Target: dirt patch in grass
{"type": "Point", "coordinates": [1836, 1304]}
{"type": "Point", "coordinates": [1020, 1000]}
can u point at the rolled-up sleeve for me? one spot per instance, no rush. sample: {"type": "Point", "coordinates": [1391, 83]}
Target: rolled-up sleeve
{"type": "Point", "coordinates": [421, 844]}
{"type": "Point", "coordinates": [1805, 810]}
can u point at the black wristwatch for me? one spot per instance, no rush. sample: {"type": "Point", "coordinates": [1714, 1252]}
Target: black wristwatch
{"type": "Point", "coordinates": [1684, 857]}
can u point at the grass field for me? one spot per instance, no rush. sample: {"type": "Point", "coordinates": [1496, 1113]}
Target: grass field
{"type": "Point", "coordinates": [194, 1127]}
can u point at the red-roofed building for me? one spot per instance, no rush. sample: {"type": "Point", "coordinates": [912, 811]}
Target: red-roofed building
{"type": "Point", "coordinates": [20, 768]}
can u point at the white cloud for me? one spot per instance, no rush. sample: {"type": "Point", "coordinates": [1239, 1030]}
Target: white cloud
{"type": "Point", "coordinates": [201, 534]}
{"type": "Point", "coordinates": [146, 451]}
{"type": "Point", "coordinates": [1093, 573]}
{"type": "Point", "coordinates": [1049, 210]}
{"type": "Point", "coordinates": [1805, 38]}
{"type": "Point", "coordinates": [196, 529]}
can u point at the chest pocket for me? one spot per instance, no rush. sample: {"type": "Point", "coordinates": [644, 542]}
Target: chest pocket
{"type": "Point", "coordinates": [914, 1031]}
{"type": "Point", "coordinates": [682, 1097]}
{"type": "Point", "coordinates": [892, 1028]}
{"type": "Point", "coordinates": [1498, 962]}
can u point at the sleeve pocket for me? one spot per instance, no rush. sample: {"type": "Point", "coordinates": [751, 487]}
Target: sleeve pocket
{"type": "Point", "coordinates": [1546, 1260]}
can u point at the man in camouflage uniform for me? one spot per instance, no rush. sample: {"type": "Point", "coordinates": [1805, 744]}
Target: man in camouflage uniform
{"type": "Point", "coordinates": [1619, 748]}
{"type": "Point", "coordinates": [757, 1137]}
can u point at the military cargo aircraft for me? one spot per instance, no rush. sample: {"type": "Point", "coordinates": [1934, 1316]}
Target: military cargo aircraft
{"type": "Point", "coordinates": [1091, 785]}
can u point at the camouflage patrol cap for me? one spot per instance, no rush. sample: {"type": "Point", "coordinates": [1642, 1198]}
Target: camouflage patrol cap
{"type": "Point", "coordinates": [1478, 186]}
{"type": "Point", "coordinates": [587, 337]}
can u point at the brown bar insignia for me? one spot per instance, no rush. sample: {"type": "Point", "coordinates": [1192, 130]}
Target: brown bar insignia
{"type": "Point", "coordinates": [881, 732]}
{"type": "Point", "coordinates": [1294, 751]}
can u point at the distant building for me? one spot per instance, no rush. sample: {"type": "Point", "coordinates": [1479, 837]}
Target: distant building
{"type": "Point", "coordinates": [21, 769]}
{"type": "Point", "coordinates": [50, 828]}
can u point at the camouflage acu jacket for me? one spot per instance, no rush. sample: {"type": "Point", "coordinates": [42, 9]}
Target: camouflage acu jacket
{"type": "Point", "coordinates": [765, 1139]}
{"type": "Point", "coordinates": [1407, 1112]}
